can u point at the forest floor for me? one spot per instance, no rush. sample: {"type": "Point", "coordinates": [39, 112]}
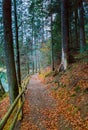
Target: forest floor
{"type": "Point", "coordinates": [39, 108]}
{"type": "Point", "coordinates": [70, 89]}
{"type": "Point", "coordinates": [4, 105]}
{"type": "Point", "coordinates": [59, 102]}
{"type": "Point", "coordinates": [56, 100]}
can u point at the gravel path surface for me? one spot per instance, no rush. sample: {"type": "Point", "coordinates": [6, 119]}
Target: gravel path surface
{"type": "Point", "coordinates": [40, 103]}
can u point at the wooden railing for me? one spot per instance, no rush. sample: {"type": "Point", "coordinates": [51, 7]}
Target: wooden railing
{"type": "Point", "coordinates": [15, 111]}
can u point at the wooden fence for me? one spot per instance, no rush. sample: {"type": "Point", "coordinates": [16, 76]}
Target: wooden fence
{"type": "Point", "coordinates": [15, 111]}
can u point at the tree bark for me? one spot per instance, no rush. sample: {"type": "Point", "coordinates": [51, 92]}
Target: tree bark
{"type": "Point", "coordinates": [1, 88]}
{"type": "Point", "coordinates": [65, 33]}
{"type": "Point", "coordinates": [76, 25]}
{"type": "Point", "coordinates": [42, 24]}
{"type": "Point", "coordinates": [9, 53]}
{"type": "Point", "coordinates": [35, 55]}
{"type": "Point", "coordinates": [52, 44]}
{"type": "Point", "coordinates": [32, 49]}
{"type": "Point", "coordinates": [17, 45]}
{"type": "Point", "coordinates": [82, 30]}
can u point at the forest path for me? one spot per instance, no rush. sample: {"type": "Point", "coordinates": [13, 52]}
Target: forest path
{"type": "Point", "coordinates": [39, 107]}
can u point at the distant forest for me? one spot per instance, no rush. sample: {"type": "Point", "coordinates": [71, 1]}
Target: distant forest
{"type": "Point", "coordinates": [35, 34]}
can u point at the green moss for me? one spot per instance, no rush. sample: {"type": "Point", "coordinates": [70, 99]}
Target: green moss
{"type": "Point", "coordinates": [76, 109]}
{"type": "Point", "coordinates": [64, 86]}
{"type": "Point", "coordinates": [48, 74]}
{"type": "Point", "coordinates": [73, 95]}
{"type": "Point", "coordinates": [77, 89]}
{"type": "Point", "coordinates": [3, 96]}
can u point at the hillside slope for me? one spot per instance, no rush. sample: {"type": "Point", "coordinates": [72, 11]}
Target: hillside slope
{"type": "Point", "coordinates": [70, 89]}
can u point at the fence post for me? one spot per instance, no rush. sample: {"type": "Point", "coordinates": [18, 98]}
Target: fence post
{"type": "Point", "coordinates": [19, 104]}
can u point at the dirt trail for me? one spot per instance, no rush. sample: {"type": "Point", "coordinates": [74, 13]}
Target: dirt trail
{"type": "Point", "coordinates": [41, 106]}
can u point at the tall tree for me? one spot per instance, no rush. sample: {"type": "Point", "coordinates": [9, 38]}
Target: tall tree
{"type": "Point", "coordinates": [17, 44]}
{"type": "Point", "coordinates": [65, 33]}
{"type": "Point", "coordinates": [76, 24]}
{"type": "Point", "coordinates": [52, 44]}
{"type": "Point", "coordinates": [32, 41]}
{"type": "Point", "coordinates": [9, 53]}
{"type": "Point", "coordinates": [82, 29]}
{"type": "Point", "coordinates": [42, 11]}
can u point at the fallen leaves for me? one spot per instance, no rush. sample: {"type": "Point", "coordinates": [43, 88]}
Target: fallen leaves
{"type": "Point", "coordinates": [4, 105]}
{"type": "Point", "coordinates": [71, 111]}
{"type": "Point", "coordinates": [51, 121]}
{"type": "Point", "coordinates": [26, 123]}
{"type": "Point", "coordinates": [73, 101]}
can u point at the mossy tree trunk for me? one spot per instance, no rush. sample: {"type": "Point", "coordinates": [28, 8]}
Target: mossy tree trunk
{"type": "Point", "coordinates": [9, 53]}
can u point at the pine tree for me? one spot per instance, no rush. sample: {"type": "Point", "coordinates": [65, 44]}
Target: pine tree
{"type": "Point", "coordinates": [9, 54]}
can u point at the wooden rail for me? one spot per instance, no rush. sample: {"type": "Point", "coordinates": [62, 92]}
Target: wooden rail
{"type": "Point", "coordinates": [16, 106]}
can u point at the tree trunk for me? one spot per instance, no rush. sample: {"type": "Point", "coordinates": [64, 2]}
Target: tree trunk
{"type": "Point", "coordinates": [52, 47]}
{"type": "Point", "coordinates": [35, 56]}
{"type": "Point", "coordinates": [65, 33]}
{"type": "Point", "coordinates": [42, 24]}
{"type": "Point", "coordinates": [39, 67]}
{"type": "Point", "coordinates": [76, 25]}
{"type": "Point", "coordinates": [82, 30]}
{"type": "Point", "coordinates": [32, 43]}
{"type": "Point", "coordinates": [9, 53]}
{"type": "Point", "coordinates": [52, 44]}
{"type": "Point", "coordinates": [2, 91]}
{"type": "Point", "coordinates": [17, 45]}
{"type": "Point", "coordinates": [33, 62]}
